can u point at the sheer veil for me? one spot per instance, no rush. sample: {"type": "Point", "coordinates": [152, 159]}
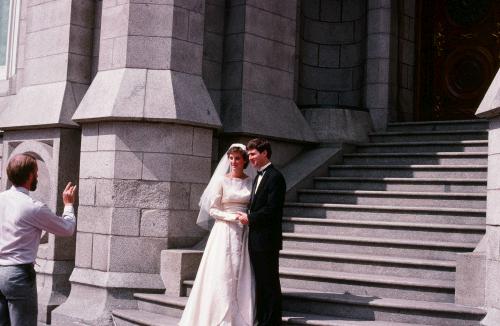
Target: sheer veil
{"type": "Point", "coordinates": [204, 220]}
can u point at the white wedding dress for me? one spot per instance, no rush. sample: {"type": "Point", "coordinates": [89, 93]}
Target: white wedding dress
{"type": "Point", "coordinates": [223, 291]}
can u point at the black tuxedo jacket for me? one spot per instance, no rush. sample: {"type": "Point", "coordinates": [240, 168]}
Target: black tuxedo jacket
{"type": "Point", "coordinates": [265, 212]}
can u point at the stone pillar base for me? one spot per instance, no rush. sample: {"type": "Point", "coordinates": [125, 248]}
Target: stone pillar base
{"type": "Point", "coordinates": [53, 285]}
{"type": "Point", "coordinates": [470, 279]}
{"type": "Point", "coordinates": [178, 265]}
{"type": "Point", "coordinates": [95, 294]}
{"type": "Point", "coordinates": [492, 318]}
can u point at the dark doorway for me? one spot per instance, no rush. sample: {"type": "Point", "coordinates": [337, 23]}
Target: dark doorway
{"type": "Point", "coordinates": [458, 54]}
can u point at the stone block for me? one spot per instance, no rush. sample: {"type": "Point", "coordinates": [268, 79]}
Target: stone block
{"type": "Point", "coordinates": [149, 52]}
{"type": "Point", "coordinates": [267, 80]}
{"type": "Point", "coordinates": [470, 279]}
{"type": "Point", "coordinates": [90, 134]}
{"type": "Point", "coordinates": [493, 206]}
{"type": "Point", "coordinates": [329, 56]}
{"type": "Point", "coordinates": [86, 192]}
{"type": "Point", "coordinates": [49, 69]}
{"type": "Point", "coordinates": [378, 71]}
{"type": "Point", "coordinates": [327, 79]}
{"type": "Point", "coordinates": [178, 265]}
{"type": "Point", "coordinates": [127, 254]}
{"type": "Point", "coordinates": [331, 10]}
{"type": "Point", "coordinates": [235, 20]}
{"type": "Point", "coordinates": [379, 21]}
{"type": "Point", "coordinates": [47, 42]}
{"type": "Point", "coordinates": [311, 9]}
{"type": "Point", "coordinates": [307, 96]}
{"type": "Point", "coordinates": [182, 229]}
{"type": "Point", "coordinates": [196, 28]}
{"type": "Point", "coordinates": [181, 168]}
{"type": "Point", "coordinates": [409, 7]}
{"type": "Point", "coordinates": [352, 9]}
{"type": "Point", "coordinates": [83, 254]}
{"type": "Point", "coordinates": [186, 57]}
{"type": "Point", "coordinates": [48, 14]}
{"type": "Point", "coordinates": [128, 165]}
{"type": "Point", "coordinates": [212, 74]}
{"type": "Point", "coordinates": [101, 252]}
{"type": "Point", "coordinates": [115, 21]}
{"type": "Point", "coordinates": [214, 18]}
{"type": "Point", "coordinates": [352, 98]}
{"type": "Point", "coordinates": [283, 8]}
{"type": "Point", "coordinates": [81, 40]}
{"type": "Point", "coordinates": [493, 172]}
{"type": "Point", "coordinates": [83, 13]}
{"type": "Point", "coordinates": [94, 219]}
{"type": "Point", "coordinates": [360, 30]}
{"type": "Point", "coordinates": [232, 76]}
{"type": "Point", "coordinates": [379, 118]}
{"type": "Point", "coordinates": [125, 221]}
{"type": "Point", "coordinates": [492, 284]}
{"type": "Point", "coordinates": [154, 223]}
{"type": "Point", "coordinates": [105, 55]}
{"type": "Point", "coordinates": [120, 52]}
{"type": "Point", "coordinates": [269, 53]}
{"type": "Point", "coordinates": [378, 46]}
{"type": "Point", "coordinates": [154, 20]}
{"type": "Point", "coordinates": [195, 195]}
{"type": "Point", "coordinates": [377, 96]}
{"type": "Point", "coordinates": [233, 47]}
{"type": "Point", "coordinates": [328, 98]}
{"type": "Point", "coordinates": [104, 193]}
{"type": "Point", "coordinates": [202, 142]}
{"type": "Point", "coordinates": [140, 194]}
{"type": "Point", "coordinates": [197, 6]}
{"type": "Point", "coordinates": [214, 47]}
{"type": "Point", "coordinates": [494, 137]}
{"type": "Point", "coordinates": [104, 168]}
{"type": "Point", "coordinates": [79, 68]}
{"type": "Point", "coordinates": [270, 26]}
{"type": "Point", "coordinates": [328, 33]}
{"type": "Point", "coordinates": [309, 53]}
{"type": "Point", "coordinates": [375, 4]}
{"type": "Point", "coordinates": [407, 49]}
{"type": "Point", "coordinates": [350, 55]}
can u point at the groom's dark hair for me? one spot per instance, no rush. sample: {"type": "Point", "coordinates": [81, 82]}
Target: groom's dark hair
{"type": "Point", "coordinates": [260, 145]}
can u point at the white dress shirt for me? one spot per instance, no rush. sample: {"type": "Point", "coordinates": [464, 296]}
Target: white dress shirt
{"type": "Point", "coordinates": [259, 177]}
{"type": "Point", "coordinates": [22, 220]}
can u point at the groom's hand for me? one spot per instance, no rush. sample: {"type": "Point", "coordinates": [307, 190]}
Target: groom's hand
{"type": "Point", "coordinates": [243, 217]}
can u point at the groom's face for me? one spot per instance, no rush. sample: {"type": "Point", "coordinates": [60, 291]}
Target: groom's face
{"type": "Point", "coordinates": [256, 158]}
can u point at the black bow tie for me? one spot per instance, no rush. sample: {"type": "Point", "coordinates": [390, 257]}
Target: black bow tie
{"type": "Point", "coordinates": [260, 172]}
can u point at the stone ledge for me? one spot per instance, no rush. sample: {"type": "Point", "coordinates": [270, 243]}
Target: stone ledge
{"type": "Point", "coordinates": [148, 95]}
{"type": "Point", "coordinates": [116, 280]}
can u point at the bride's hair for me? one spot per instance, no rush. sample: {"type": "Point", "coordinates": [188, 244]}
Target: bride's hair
{"type": "Point", "coordinates": [243, 153]}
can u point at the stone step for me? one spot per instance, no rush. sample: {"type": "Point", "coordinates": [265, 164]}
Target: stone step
{"type": "Point", "coordinates": [369, 264]}
{"type": "Point", "coordinates": [380, 309]}
{"type": "Point", "coordinates": [425, 147]}
{"type": "Point", "coordinates": [129, 317]}
{"type": "Point", "coordinates": [477, 124]}
{"type": "Point", "coordinates": [440, 158]}
{"type": "Point", "coordinates": [384, 286]}
{"type": "Point", "coordinates": [161, 304]}
{"type": "Point", "coordinates": [412, 136]}
{"type": "Point", "coordinates": [464, 146]}
{"type": "Point", "coordinates": [383, 229]}
{"type": "Point", "coordinates": [293, 318]}
{"type": "Point", "coordinates": [400, 213]}
{"type": "Point", "coordinates": [410, 171]}
{"type": "Point", "coordinates": [401, 184]}
{"type": "Point", "coordinates": [367, 197]}
{"type": "Point", "coordinates": [376, 246]}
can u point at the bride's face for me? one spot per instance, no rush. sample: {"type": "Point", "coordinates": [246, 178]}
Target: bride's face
{"type": "Point", "coordinates": [237, 162]}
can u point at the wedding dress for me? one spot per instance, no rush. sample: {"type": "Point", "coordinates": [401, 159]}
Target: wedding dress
{"type": "Point", "coordinates": [223, 291]}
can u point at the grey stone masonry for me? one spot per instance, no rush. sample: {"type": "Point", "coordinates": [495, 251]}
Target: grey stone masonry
{"type": "Point", "coordinates": [406, 61]}
{"type": "Point", "coordinates": [490, 108]}
{"type": "Point", "coordinates": [54, 66]}
{"type": "Point", "coordinates": [259, 69]}
{"type": "Point", "coordinates": [381, 62]}
{"type": "Point", "coordinates": [1, 161]}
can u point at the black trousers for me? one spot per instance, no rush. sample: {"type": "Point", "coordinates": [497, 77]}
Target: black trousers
{"type": "Point", "coordinates": [265, 265]}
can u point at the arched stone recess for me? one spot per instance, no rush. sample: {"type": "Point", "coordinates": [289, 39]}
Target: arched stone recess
{"type": "Point", "coordinates": [55, 259]}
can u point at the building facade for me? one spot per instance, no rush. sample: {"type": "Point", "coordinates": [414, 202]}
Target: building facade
{"type": "Point", "coordinates": [134, 100]}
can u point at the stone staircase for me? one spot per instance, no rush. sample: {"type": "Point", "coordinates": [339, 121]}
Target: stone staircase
{"type": "Point", "coordinates": [375, 242]}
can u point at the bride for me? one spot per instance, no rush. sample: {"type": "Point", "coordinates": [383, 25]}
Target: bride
{"type": "Point", "coordinates": [223, 291]}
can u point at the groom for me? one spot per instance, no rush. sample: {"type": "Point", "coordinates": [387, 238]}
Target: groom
{"type": "Point", "coordinates": [265, 212]}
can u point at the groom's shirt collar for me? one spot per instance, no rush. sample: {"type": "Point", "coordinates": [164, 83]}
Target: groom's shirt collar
{"type": "Point", "coordinates": [265, 167]}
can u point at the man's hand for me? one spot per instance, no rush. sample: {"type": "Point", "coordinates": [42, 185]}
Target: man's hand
{"type": "Point", "coordinates": [243, 218]}
{"type": "Point", "coordinates": [69, 194]}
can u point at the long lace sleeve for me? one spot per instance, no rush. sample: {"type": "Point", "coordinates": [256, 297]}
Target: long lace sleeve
{"type": "Point", "coordinates": [216, 209]}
